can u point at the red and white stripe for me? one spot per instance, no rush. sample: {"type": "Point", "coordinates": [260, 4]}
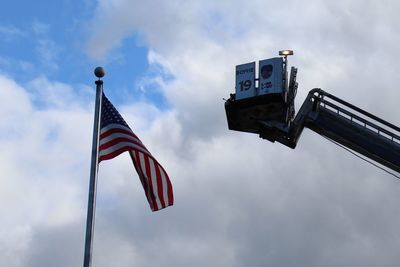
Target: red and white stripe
{"type": "Point", "coordinates": [116, 139]}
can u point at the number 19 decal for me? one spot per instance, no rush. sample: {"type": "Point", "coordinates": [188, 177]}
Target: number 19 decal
{"type": "Point", "coordinates": [245, 85]}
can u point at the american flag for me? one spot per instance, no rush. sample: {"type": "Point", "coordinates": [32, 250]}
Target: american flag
{"type": "Point", "coordinates": [115, 138]}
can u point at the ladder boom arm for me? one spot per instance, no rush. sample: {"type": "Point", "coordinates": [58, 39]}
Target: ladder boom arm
{"type": "Point", "coordinates": [349, 126]}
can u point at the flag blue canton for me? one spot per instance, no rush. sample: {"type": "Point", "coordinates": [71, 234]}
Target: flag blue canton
{"type": "Point", "coordinates": [110, 114]}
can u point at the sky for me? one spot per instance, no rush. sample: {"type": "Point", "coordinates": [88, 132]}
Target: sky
{"type": "Point", "coordinates": [239, 200]}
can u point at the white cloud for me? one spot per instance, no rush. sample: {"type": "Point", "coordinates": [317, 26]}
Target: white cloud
{"type": "Point", "coordinates": [43, 165]}
{"type": "Point", "coordinates": [336, 46]}
{"type": "Point", "coordinates": [40, 28]}
{"type": "Point", "coordinates": [239, 200]}
{"type": "Point", "coordinates": [48, 52]}
{"type": "Point", "coordinates": [10, 32]}
{"type": "Point", "coordinates": [263, 204]}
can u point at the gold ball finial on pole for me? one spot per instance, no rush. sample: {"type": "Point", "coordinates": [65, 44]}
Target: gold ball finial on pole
{"type": "Point", "coordinates": [99, 72]}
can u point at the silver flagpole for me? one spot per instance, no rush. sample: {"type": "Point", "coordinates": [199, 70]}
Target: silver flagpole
{"type": "Point", "coordinates": [87, 261]}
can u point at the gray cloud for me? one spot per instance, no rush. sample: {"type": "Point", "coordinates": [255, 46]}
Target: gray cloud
{"type": "Point", "coordinates": [240, 200]}
{"type": "Point", "coordinates": [263, 204]}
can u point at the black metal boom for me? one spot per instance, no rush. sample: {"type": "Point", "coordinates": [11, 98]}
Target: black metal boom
{"type": "Point", "coordinates": [343, 123]}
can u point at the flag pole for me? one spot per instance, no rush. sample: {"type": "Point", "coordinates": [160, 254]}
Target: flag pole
{"type": "Point", "coordinates": [87, 261]}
